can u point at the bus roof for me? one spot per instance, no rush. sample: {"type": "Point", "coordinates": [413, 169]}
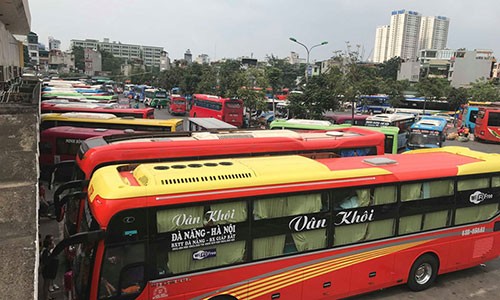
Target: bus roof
{"type": "Point", "coordinates": [84, 132]}
{"type": "Point", "coordinates": [433, 123]}
{"type": "Point", "coordinates": [285, 124]}
{"type": "Point", "coordinates": [107, 118]}
{"type": "Point", "coordinates": [167, 182]}
{"type": "Point", "coordinates": [100, 151]}
{"type": "Point", "coordinates": [390, 117]}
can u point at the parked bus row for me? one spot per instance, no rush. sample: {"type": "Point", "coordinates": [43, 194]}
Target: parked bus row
{"type": "Point", "coordinates": [483, 115]}
{"type": "Point", "coordinates": [285, 227]}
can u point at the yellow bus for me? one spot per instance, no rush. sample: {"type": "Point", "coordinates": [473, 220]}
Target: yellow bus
{"type": "Point", "coordinates": [108, 121]}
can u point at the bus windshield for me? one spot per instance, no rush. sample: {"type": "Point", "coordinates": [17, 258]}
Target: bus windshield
{"type": "Point", "coordinates": [424, 137]}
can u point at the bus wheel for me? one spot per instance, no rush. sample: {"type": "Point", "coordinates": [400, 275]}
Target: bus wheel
{"type": "Point", "coordinates": [223, 297]}
{"type": "Point", "coordinates": [423, 273]}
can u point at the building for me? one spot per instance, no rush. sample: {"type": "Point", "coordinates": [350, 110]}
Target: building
{"type": "Point", "coordinates": [203, 59]}
{"type": "Point", "coordinates": [188, 57]}
{"type": "Point", "coordinates": [468, 66]}
{"type": "Point", "coordinates": [54, 44]}
{"type": "Point", "coordinates": [408, 33]}
{"type": "Point", "coordinates": [496, 70]}
{"type": "Point", "coordinates": [61, 62]}
{"type": "Point", "coordinates": [93, 62]}
{"type": "Point", "coordinates": [164, 61]}
{"type": "Point", "coordinates": [409, 70]}
{"type": "Point", "coordinates": [295, 59]}
{"type": "Point", "coordinates": [19, 117]}
{"type": "Point", "coordinates": [404, 34]}
{"type": "Point", "coordinates": [434, 32]}
{"type": "Point", "coordinates": [381, 44]}
{"type": "Point", "coordinates": [435, 63]}
{"type": "Point", "coordinates": [33, 48]}
{"type": "Point", "coordinates": [150, 55]}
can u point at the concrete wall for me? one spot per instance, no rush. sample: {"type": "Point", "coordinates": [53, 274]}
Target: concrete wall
{"type": "Point", "coordinates": [19, 195]}
{"type": "Point", "coordinates": [10, 53]}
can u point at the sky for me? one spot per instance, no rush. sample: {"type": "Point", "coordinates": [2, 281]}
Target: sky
{"type": "Point", "coordinates": [255, 28]}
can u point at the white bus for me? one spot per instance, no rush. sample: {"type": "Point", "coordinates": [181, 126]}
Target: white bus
{"type": "Point", "coordinates": [400, 120]}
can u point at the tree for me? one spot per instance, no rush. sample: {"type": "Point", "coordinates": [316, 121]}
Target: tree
{"type": "Point", "coordinates": [457, 97]}
{"type": "Point", "coordinates": [110, 63]}
{"type": "Point", "coordinates": [433, 88]}
{"type": "Point", "coordinates": [208, 80]}
{"type": "Point", "coordinates": [229, 78]}
{"type": "Point", "coordinates": [390, 68]}
{"type": "Point", "coordinates": [78, 52]}
{"type": "Point", "coordinates": [483, 91]}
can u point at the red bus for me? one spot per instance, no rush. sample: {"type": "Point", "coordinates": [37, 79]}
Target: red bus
{"type": "Point", "coordinates": [488, 124]}
{"type": "Point", "coordinates": [177, 105]}
{"type": "Point", "coordinates": [101, 151]}
{"type": "Point", "coordinates": [224, 109]}
{"type": "Point", "coordinates": [283, 94]}
{"type": "Point", "coordinates": [62, 143]}
{"type": "Point", "coordinates": [359, 120]}
{"type": "Point", "coordinates": [285, 227]}
{"type": "Point", "coordinates": [139, 113]}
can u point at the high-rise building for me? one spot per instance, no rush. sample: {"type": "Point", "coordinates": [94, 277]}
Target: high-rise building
{"type": "Point", "coordinates": [434, 32]}
{"type": "Point", "coordinates": [151, 55]}
{"type": "Point", "coordinates": [408, 33]}
{"type": "Point", "coordinates": [404, 34]}
{"type": "Point", "coordinates": [381, 44]}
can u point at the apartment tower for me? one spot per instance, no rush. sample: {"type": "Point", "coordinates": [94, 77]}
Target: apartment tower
{"type": "Point", "coordinates": [434, 32]}
{"type": "Point", "coordinates": [404, 34]}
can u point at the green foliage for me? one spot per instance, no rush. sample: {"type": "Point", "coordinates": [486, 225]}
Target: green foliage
{"type": "Point", "coordinates": [110, 63]}
{"type": "Point", "coordinates": [433, 88]}
{"type": "Point", "coordinates": [79, 58]}
{"type": "Point", "coordinates": [390, 68]}
{"type": "Point", "coordinates": [26, 56]}
{"type": "Point", "coordinates": [457, 97]}
{"type": "Point", "coordinates": [484, 91]}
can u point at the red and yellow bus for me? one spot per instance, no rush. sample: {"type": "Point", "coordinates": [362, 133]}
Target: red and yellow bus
{"type": "Point", "coordinates": [488, 124]}
{"type": "Point", "coordinates": [285, 227]}
{"type": "Point", "coordinates": [97, 152]}
{"type": "Point", "coordinates": [225, 109]}
{"type": "Point", "coordinates": [177, 105]}
{"type": "Point", "coordinates": [139, 113]}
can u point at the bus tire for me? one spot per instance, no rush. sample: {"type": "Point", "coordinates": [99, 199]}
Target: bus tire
{"type": "Point", "coordinates": [423, 272]}
{"type": "Point", "coordinates": [223, 297]}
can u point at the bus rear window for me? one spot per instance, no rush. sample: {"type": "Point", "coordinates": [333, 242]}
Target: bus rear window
{"type": "Point", "coordinates": [233, 105]}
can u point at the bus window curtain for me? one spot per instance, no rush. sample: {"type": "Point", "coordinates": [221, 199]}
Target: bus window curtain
{"type": "Point", "coordinates": [495, 181]}
{"type": "Point", "coordinates": [410, 224]}
{"type": "Point", "coordinates": [310, 240]}
{"type": "Point", "coordinates": [380, 229]}
{"type": "Point", "coordinates": [363, 197]}
{"type": "Point", "coordinates": [437, 219]}
{"type": "Point", "coordinates": [182, 261]}
{"type": "Point", "coordinates": [475, 213]}
{"type": "Point", "coordinates": [384, 195]}
{"type": "Point", "coordinates": [348, 234]}
{"type": "Point", "coordinates": [470, 184]}
{"type": "Point", "coordinates": [287, 206]}
{"type": "Point", "coordinates": [411, 191]}
{"type": "Point", "coordinates": [165, 218]}
{"type": "Point", "coordinates": [440, 188]}
{"type": "Point", "coordinates": [240, 211]}
{"type": "Point", "coordinates": [268, 246]}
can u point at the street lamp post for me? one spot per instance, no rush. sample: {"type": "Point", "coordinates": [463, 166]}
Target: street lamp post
{"type": "Point", "coordinates": [308, 50]}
